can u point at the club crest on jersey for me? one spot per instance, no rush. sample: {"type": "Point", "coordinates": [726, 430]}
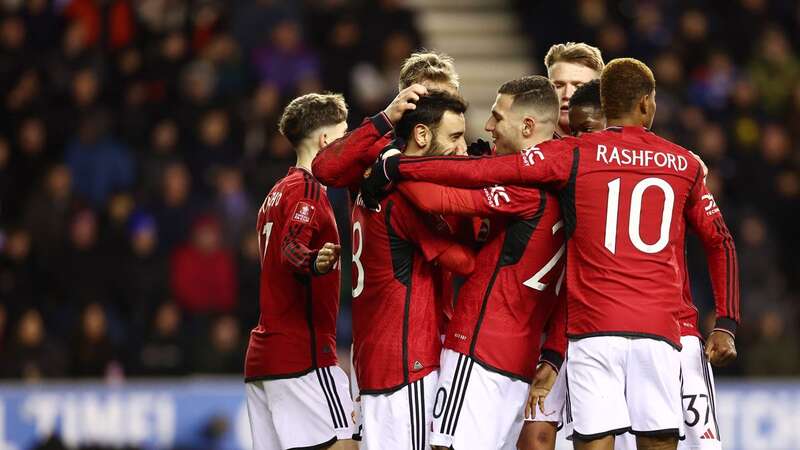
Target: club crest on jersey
{"type": "Point", "coordinates": [303, 212]}
{"type": "Point", "coordinates": [529, 156]}
{"type": "Point", "coordinates": [496, 194]}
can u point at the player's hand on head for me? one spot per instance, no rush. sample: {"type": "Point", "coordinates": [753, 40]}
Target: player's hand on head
{"type": "Point", "coordinates": [327, 257]}
{"type": "Point", "coordinates": [720, 348]}
{"type": "Point", "coordinates": [479, 148]}
{"type": "Point", "coordinates": [542, 383]}
{"type": "Point", "coordinates": [404, 101]}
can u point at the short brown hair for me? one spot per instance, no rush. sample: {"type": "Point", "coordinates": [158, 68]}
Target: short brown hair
{"type": "Point", "coordinates": [623, 83]}
{"type": "Point", "coordinates": [430, 66]}
{"type": "Point", "coordinates": [429, 112]}
{"type": "Point", "coordinates": [306, 114]}
{"type": "Point", "coordinates": [536, 92]}
{"type": "Point", "coordinates": [576, 53]}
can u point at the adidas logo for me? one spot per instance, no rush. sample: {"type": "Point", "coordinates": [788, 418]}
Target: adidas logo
{"type": "Point", "coordinates": [708, 435]}
{"type": "Point", "coordinates": [417, 365]}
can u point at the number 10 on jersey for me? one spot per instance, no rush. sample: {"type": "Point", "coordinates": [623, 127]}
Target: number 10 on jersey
{"type": "Point", "coordinates": [634, 233]}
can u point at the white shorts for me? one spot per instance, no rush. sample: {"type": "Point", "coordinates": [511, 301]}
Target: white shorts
{"type": "Point", "coordinates": [617, 384]}
{"type": "Point", "coordinates": [699, 415]}
{"type": "Point", "coordinates": [476, 407]}
{"type": "Point", "coordinates": [358, 420]}
{"type": "Point", "coordinates": [306, 411]}
{"type": "Point", "coordinates": [399, 420]}
{"type": "Point", "coordinates": [554, 402]}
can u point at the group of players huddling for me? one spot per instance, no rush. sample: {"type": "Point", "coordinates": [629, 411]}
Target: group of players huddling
{"type": "Point", "coordinates": [500, 291]}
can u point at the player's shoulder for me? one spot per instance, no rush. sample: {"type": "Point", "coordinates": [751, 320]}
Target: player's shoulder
{"type": "Point", "coordinates": [301, 184]}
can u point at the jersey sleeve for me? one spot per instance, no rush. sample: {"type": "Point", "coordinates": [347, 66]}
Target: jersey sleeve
{"type": "Point", "coordinates": [486, 202]}
{"type": "Point", "coordinates": [342, 162]}
{"type": "Point", "coordinates": [298, 231]}
{"type": "Point", "coordinates": [555, 344]}
{"type": "Point", "coordinates": [434, 246]}
{"type": "Point", "coordinates": [705, 218]}
{"type": "Point", "coordinates": [549, 164]}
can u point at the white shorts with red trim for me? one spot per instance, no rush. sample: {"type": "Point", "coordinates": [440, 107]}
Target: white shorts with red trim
{"type": "Point", "coordinates": [699, 408]}
{"type": "Point", "coordinates": [302, 412]}
{"type": "Point", "coordinates": [476, 407]}
{"type": "Point", "coordinates": [399, 420]}
{"type": "Point", "coordinates": [617, 384]}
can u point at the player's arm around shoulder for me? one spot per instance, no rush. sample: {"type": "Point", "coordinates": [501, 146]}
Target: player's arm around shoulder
{"type": "Point", "coordinates": [342, 162]}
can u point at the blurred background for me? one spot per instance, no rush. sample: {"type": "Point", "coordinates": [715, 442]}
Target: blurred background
{"type": "Point", "coordinates": [138, 138]}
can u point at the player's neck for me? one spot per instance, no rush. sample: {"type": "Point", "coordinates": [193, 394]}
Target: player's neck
{"type": "Point", "coordinates": [305, 156]}
{"type": "Point", "coordinates": [413, 150]}
{"type": "Point", "coordinates": [625, 121]}
{"type": "Point", "coordinates": [560, 131]}
{"type": "Point", "coordinates": [538, 138]}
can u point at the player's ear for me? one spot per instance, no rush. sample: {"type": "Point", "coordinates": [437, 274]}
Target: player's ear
{"type": "Point", "coordinates": [528, 126]}
{"type": "Point", "coordinates": [422, 135]}
{"type": "Point", "coordinates": [644, 104]}
{"type": "Point", "coordinates": [322, 139]}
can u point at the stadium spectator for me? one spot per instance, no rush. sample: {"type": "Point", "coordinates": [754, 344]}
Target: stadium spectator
{"type": "Point", "coordinates": [143, 279]}
{"type": "Point", "coordinates": [175, 208]}
{"type": "Point", "coordinates": [32, 354]}
{"type": "Point", "coordinates": [164, 350]}
{"type": "Point", "coordinates": [17, 272]}
{"type": "Point", "coordinates": [93, 352]}
{"type": "Point", "coordinates": [82, 270]}
{"type": "Point", "coordinates": [203, 272]}
{"type": "Point", "coordinates": [223, 350]}
{"type": "Point", "coordinates": [48, 212]}
{"type": "Point", "coordinates": [286, 62]}
{"type": "Point", "coordinates": [99, 163]}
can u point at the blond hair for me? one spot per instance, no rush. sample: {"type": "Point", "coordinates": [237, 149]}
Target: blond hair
{"type": "Point", "coordinates": [623, 84]}
{"type": "Point", "coordinates": [575, 53]}
{"type": "Point", "coordinates": [428, 66]}
{"type": "Point", "coordinates": [310, 112]}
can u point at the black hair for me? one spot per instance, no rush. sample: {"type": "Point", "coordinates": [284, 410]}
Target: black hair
{"type": "Point", "coordinates": [429, 111]}
{"type": "Point", "coordinates": [533, 91]}
{"type": "Point", "coordinates": [588, 94]}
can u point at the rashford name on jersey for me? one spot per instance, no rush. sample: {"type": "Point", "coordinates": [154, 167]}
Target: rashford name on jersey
{"type": "Point", "coordinates": [642, 158]}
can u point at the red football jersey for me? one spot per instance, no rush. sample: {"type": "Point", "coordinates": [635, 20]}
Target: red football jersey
{"type": "Point", "coordinates": [296, 331]}
{"type": "Point", "coordinates": [342, 162]}
{"type": "Point", "coordinates": [501, 310]}
{"type": "Point", "coordinates": [627, 196]}
{"type": "Point", "coordinates": [396, 315]}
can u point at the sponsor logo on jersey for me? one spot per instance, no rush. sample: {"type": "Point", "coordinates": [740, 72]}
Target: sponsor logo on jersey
{"type": "Point", "coordinates": [303, 212]}
{"type": "Point", "coordinates": [496, 194]}
{"type": "Point", "coordinates": [417, 365]}
{"type": "Point", "coordinates": [529, 156]}
{"type": "Point", "coordinates": [711, 207]}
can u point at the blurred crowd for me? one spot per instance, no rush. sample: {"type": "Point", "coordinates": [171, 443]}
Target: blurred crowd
{"type": "Point", "coordinates": [139, 138]}
{"type": "Point", "coordinates": [137, 142]}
